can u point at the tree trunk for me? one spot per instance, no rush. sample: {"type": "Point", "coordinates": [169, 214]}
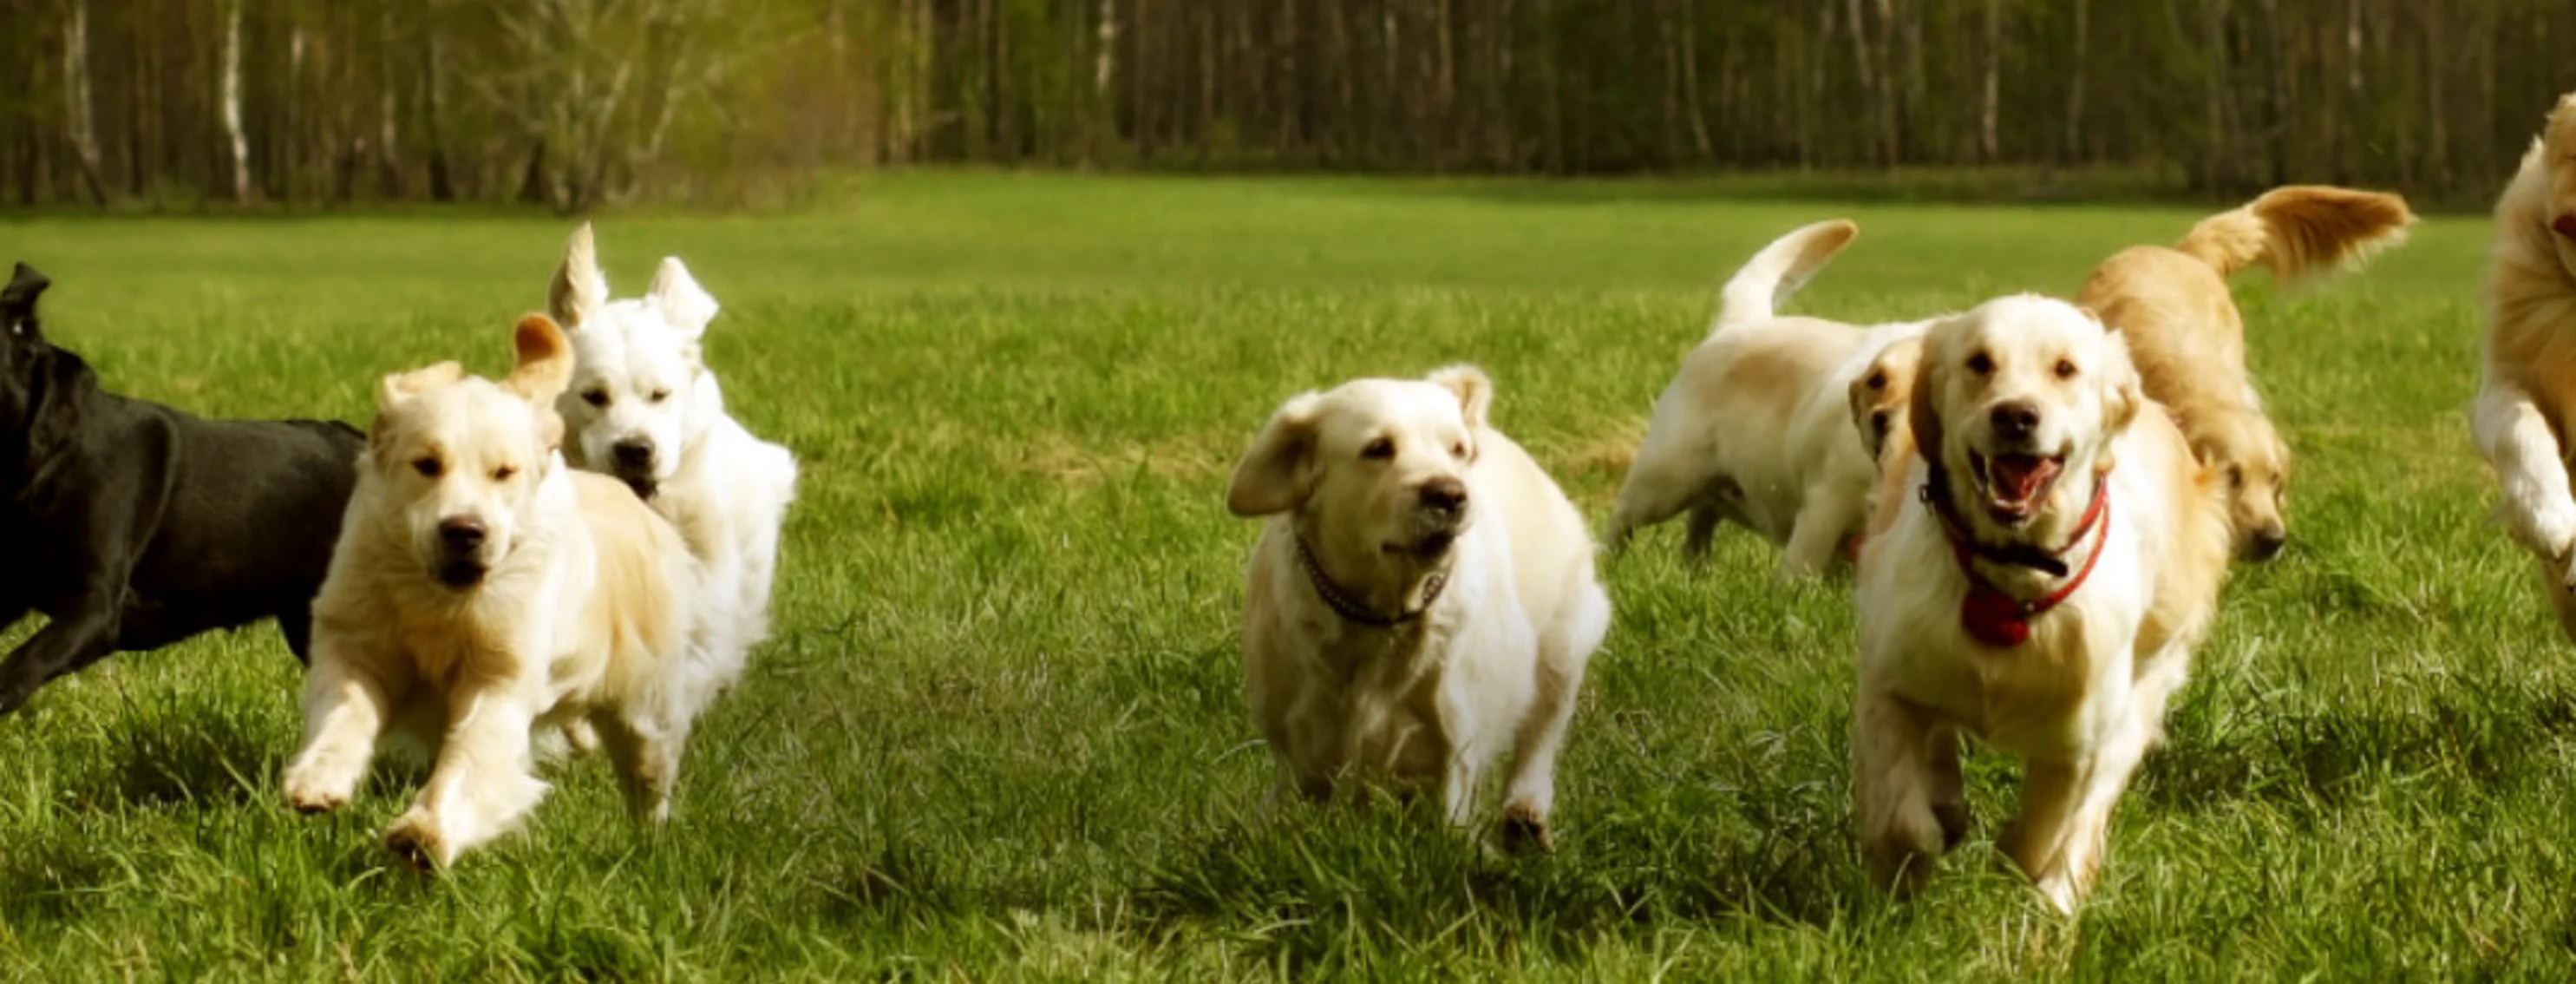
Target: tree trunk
{"type": "Point", "coordinates": [1989, 143]}
{"type": "Point", "coordinates": [80, 127]}
{"type": "Point", "coordinates": [2077, 63]}
{"type": "Point", "coordinates": [232, 96]}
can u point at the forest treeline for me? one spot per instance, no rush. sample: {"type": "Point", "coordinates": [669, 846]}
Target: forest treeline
{"type": "Point", "coordinates": [571, 103]}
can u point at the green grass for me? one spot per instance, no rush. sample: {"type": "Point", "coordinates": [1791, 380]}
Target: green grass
{"type": "Point", "coordinates": [1000, 734]}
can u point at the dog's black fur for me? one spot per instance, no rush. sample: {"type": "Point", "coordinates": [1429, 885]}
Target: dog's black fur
{"type": "Point", "coordinates": [131, 525]}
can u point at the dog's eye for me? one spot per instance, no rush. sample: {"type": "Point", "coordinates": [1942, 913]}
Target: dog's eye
{"type": "Point", "coordinates": [2065, 368]}
{"type": "Point", "coordinates": [1458, 450]}
{"type": "Point", "coordinates": [2235, 477]}
{"type": "Point", "coordinates": [660, 395]}
{"type": "Point", "coordinates": [1981, 363]}
{"type": "Point", "coordinates": [504, 473]}
{"type": "Point", "coordinates": [428, 467]}
{"type": "Point", "coordinates": [596, 398]}
{"type": "Point", "coordinates": [1379, 450]}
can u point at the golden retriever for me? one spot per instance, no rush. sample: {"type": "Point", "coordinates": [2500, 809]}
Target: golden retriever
{"type": "Point", "coordinates": [2523, 409]}
{"type": "Point", "coordinates": [2189, 341]}
{"type": "Point", "coordinates": [483, 590]}
{"type": "Point", "coordinates": [1422, 597]}
{"type": "Point", "coordinates": [2047, 560]}
{"type": "Point", "coordinates": [1753, 429]}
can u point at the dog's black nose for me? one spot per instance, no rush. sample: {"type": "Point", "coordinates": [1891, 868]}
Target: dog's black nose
{"type": "Point", "coordinates": [2266, 544]}
{"type": "Point", "coordinates": [2015, 421]}
{"type": "Point", "coordinates": [462, 533]}
{"type": "Point", "coordinates": [1444, 494]}
{"type": "Point", "coordinates": [633, 453]}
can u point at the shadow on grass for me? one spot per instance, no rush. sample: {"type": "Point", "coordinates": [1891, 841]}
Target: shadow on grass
{"type": "Point", "coordinates": [2483, 734]}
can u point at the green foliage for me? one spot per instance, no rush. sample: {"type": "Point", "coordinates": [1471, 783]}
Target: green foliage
{"type": "Point", "coordinates": [999, 734]}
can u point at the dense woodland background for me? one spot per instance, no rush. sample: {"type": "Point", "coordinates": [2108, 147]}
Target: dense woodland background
{"type": "Point", "coordinates": [571, 103]}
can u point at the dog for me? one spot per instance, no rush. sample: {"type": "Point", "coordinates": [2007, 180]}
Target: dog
{"type": "Point", "coordinates": [2189, 341]}
{"type": "Point", "coordinates": [484, 591]}
{"type": "Point", "coordinates": [1752, 430]}
{"type": "Point", "coordinates": [2052, 556]}
{"type": "Point", "coordinates": [644, 409]}
{"type": "Point", "coordinates": [131, 525]}
{"type": "Point", "coordinates": [1422, 597]}
{"type": "Point", "coordinates": [2522, 414]}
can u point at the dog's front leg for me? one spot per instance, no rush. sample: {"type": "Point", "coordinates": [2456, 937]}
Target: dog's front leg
{"type": "Point", "coordinates": [348, 698]}
{"type": "Point", "coordinates": [481, 784]}
{"type": "Point", "coordinates": [1823, 523]}
{"type": "Point", "coordinates": [1899, 834]}
{"type": "Point", "coordinates": [67, 643]}
{"type": "Point", "coordinates": [2531, 471]}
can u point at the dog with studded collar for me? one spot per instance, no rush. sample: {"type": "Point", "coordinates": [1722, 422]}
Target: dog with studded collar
{"type": "Point", "coordinates": [2053, 556]}
{"type": "Point", "coordinates": [1422, 598]}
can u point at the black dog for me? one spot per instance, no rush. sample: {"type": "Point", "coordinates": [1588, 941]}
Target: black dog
{"type": "Point", "coordinates": [132, 525]}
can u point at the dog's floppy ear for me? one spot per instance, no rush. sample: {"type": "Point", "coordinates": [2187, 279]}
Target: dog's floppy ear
{"type": "Point", "coordinates": [579, 290]}
{"type": "Point", "coordinates": [1278, 473]}
{"type": "Point", "coordinates": [1475, 391]}
{"type": "Point", "coordinates": [684, 304]}
{"type": "Point", "coordinates": [545, 361]}
{"type": "Point", "coordinates": [1923, 411]}
{"type": "Point", "coordinates": [18, 300]}
{"type": "Point", "coordinates": [2123, 393]}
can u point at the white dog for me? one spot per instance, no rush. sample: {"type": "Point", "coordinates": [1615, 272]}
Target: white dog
{"type": "Point", "coordinates": [482, 591]}
{"type": "Point", "coordinates": [1421, 599]}
{"type": "Point", "coordinates": [2056, 556]}
{"type": "Point", "coordinates": [643, 408]}
{"type": "Point", "coordinates": [2528, 399]}
{"type": "Point", "coordinates": [1757, 428]}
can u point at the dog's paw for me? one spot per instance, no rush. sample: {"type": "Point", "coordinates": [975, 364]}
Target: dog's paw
{"type": "Point", "coordinates": [1524, 831]}
{"type": "Point", "coordinates": [416, 841]}
{"type": "Point", "coordinates": [306, 794]}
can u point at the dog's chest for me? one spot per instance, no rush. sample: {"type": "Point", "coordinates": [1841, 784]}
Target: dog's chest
{"type": "Point", "coordinates": [1380, 692]}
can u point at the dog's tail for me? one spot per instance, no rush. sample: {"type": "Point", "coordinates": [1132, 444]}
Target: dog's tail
{"type": "Point", "coordinates": [1779, 270]}
{"type": "Point", "coordinates": [2299, 230]}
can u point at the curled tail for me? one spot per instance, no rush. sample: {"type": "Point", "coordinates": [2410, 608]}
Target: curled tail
{"type": "Point", "coordinates": [2299, 230]}
{"type": "Point", "coordinates": [1779, 270]}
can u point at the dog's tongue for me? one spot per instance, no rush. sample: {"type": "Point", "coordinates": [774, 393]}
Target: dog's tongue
{"type": "Point", "coordinates": [2566, 225]}
{"type": "Point", "coordinates": [2021, 477]}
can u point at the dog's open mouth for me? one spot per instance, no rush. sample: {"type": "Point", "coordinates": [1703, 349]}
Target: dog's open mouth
{"type": "Point", "coordinates": [2566, 225]}
{"type": "Point", "coordinates": [1429, 548]}
{"type": "Point", "coordinates": [2015, 484]}
{"type": "Point", "coordinates": [644, 487]}
{"type": "Point", "coordinates": [462, 573]}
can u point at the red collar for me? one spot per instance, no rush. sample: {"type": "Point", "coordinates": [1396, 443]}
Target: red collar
{"type": "Point", "coordinates": [1994, 617]}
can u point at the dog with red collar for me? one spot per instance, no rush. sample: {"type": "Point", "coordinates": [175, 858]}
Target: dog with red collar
{"type": "Point", "coordinates": [2050, 556]}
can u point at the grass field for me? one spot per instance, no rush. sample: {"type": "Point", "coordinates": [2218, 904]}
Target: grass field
{"type": "Point", "coordinates": [999, 733]}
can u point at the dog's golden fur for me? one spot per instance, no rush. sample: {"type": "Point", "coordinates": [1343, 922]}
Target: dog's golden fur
{"type": "Point", "coordinates": [2082, 699]}
{"type": "Point", "coordinates": [2188, 340]}
{"type": "Point", "coordinates": [2525, 405]}
{"type": "Point", "coordinates": [571, 602]}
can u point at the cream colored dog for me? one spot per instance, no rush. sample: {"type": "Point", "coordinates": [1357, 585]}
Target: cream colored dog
{"type": "Point", "coordinates": [481, 590]}
{"type": "Point", "coordinates": [2052, 556]}
{"type": "Point", "coordinates": [2189, 341]}
{"type": "Point", "coordinates": [1756, 427]}
{"type": "Point", "coordinates": [2527, 402]}
{"type": "Point", "coordinates": [1421, 600]}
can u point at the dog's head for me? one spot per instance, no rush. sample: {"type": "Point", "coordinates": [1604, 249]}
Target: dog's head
{"type": "Point", "coordinates": [1372, 467]}
{"type": "Point", "coordinates": [22, 350]}
{"type": "Point", "coordinates": [2241, 447]}
{"type": "Point", "coordinates": [640, 392]}
{"type": "Point", "coordinates": [2014, 395]}
{"type": "Point", "coordinates": [460, 458]}
{"type": "Point", "coordinates": [1880, 394]}
{"type": "Point", "coordinates": [2558, 152]}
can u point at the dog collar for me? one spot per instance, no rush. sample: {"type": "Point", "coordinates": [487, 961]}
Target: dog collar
{"type": "Point", "coordinates": [1988, 613]}
{"type": "Point", "coordinates": [1349, 608]}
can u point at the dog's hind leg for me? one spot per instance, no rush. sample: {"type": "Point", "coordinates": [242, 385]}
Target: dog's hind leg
{"type": "Point", "coordinates": [646, 754]}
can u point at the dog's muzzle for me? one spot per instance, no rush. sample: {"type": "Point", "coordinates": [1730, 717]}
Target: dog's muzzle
{"type": "Point", "coordinates": [460, 552]}
{"type": "Point", "coordinates": [632, 461]}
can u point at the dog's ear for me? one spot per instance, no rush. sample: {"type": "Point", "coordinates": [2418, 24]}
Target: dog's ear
{"type": "Point", "coordinates": [18, 300]}
{"type": "Point", "coordinates": [2124, 393]}
{"type": "Point", "coordinates": [1278, 473]}
{"type": "Point", "coordinates": [545, 361]}
{"type": "Point", "coordinates": [1857, 399]}
{"type": "Point", "coordinates": [400, 387]}
{"type": "Point", "coordinates": [579, 290]}
{"type": "Point", "coordinates": [684, 304]}
{"type": "Point", "coordinates": [1475, 391]}
{"type": "Point", "coordinates": [1923, 410]}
